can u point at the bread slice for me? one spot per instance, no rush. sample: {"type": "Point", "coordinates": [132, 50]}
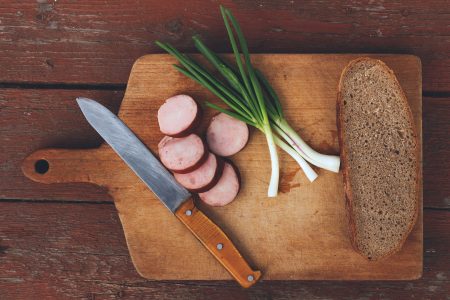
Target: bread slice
{"type": "Point", "coordinates": [380, 159]}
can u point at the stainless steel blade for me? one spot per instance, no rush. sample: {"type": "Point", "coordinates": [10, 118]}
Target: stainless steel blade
{"type": "Point", "coordinates": [126, 144]}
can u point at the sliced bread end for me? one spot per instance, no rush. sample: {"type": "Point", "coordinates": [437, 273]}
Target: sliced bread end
{"type": "Point", "coordinates": [380, 160]}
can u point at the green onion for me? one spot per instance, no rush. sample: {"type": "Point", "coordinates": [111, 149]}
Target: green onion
{"type": "Point", "coordinates": [251, 99]}
{"type": "Point", "coordinates": [282, 128]}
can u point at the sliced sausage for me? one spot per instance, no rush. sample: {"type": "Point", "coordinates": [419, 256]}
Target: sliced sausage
{"type": "Point", "coordinates": [226, 135]}
{"type": "Point", "coordinates": [182, 155]}
{"type": "Point", "coordinates": [178, 116]}
{"type": "Point", "coordinates": [204, 177]}
{"type": "Point", "coordinates": [225, 190]}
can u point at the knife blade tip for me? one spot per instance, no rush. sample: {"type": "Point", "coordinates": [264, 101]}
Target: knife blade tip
{"type": "Point", "coordinates": [81, 100]}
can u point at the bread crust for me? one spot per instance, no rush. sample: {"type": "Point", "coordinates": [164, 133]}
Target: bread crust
{"type": "Point", "coordinates": [345, 166]}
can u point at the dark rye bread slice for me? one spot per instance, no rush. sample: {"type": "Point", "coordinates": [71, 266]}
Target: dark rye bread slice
{"type": "Point", "coordinates": [380, 159]}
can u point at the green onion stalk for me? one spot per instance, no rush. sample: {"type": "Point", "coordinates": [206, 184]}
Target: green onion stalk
{"type": "Point", "coordinates": [251, 99]}
{"type": "Point", "coordinates": [284, 130]}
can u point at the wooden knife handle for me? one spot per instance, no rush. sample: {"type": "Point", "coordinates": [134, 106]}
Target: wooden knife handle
{"type": "Point", "coordinates": [216, 241]}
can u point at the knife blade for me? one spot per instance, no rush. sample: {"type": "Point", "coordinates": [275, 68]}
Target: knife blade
{"type": "Point", "coordinates": [175, 197]}
{"type": "Point", "coordinates": [135, 154]}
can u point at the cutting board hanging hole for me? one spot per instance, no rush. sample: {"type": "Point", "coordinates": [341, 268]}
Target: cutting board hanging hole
{"type": "Point", "coordinates": [41, 166]}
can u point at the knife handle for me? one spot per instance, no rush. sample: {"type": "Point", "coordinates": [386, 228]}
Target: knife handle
{"type": "Point", "coordinates": [216, 241]}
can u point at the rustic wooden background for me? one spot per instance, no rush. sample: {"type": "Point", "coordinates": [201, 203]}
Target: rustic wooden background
{"type": "Point", "coordinates": [65, 241]}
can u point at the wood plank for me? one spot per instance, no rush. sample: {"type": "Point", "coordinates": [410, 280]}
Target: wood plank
{"type": "Point", "coordinates": [90, 42]}
{"type": "Point", "coordinates": [436, 150]}
{"type": "Point", "coordinates": [31, 119]}
{"type": "Point", "coordinates": [42, 118]}
{"type": "Point", "coordinates": [67, 250]}
{"type": "Point", "coordinates": [306, 86]}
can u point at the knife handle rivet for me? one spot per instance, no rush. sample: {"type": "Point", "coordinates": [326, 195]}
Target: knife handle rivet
{"type": "Point", "coordinates": [250, 278]}
{"type": "Point", "coordinates": [188, 212]}
{"type": "Point", "coordinates": [219, 246]}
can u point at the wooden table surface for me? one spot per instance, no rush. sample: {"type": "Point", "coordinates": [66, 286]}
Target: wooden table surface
{"type": "Point", "coordinates": [65, 241]}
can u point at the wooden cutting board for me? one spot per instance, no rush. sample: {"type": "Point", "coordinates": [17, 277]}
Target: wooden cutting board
{"type": "Point", "coordinates": [301, 234]}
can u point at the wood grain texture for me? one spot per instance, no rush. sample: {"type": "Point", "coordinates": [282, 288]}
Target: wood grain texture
{"type": "Point", "coordinates": [436, 148]}
{"type": "Point", "coordinates": [50, 250]}
{"type": "Point", "coordinates": [43, 118]}
{"type": "Point", "coordinates": [78, 251]}
{"type": "Point", "coordinates": [211, 237]}
{"type": "Point", "coordinates": [307, 88]}
{"type": "Point", "coordinates": [90, 41]}
{"type": "Point", "coordinates": [31, 119]}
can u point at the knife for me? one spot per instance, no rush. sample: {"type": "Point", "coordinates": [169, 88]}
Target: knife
{"type": "Point", "coordinates": [175, 197]}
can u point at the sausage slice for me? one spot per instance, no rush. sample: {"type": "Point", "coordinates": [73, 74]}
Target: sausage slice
{"type": "Point", "coordinates": [226, 135]}
{"type": "Point", "coordinates": [182, 155]}
{"type": "Point", "coordinates": [226, 188]}
{"type": "Point", "coordinates": [178, 116]}
{"type": "Point", "coordinates": [204, 177]}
